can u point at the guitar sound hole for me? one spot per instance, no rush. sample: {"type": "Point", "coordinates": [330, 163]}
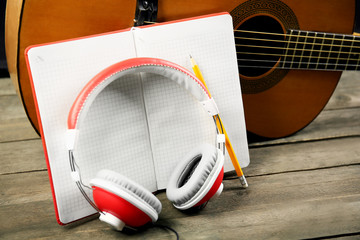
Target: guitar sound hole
{"type": "Point", "coordinates": [259, 45]}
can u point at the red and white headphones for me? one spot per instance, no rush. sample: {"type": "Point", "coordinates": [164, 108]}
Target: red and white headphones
{"type": "Point", "coordinates": [121, 201]}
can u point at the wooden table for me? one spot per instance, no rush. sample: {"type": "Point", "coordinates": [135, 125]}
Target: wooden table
{"type": "Point", "coordinates": [303, 186]}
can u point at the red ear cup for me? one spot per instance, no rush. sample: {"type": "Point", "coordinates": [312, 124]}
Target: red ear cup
{"type": "Point", "coordinates": [215, 190]}
{"type": "Point", "coordinates": [117, 211]}
{"type": "Point", "coordinates": [122, 201]}
{"type": "Point", "coordinates": [197, 178]}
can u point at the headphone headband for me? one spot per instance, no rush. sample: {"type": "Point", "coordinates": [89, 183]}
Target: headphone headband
{"type": "Point", "coordinates": [165, 68]}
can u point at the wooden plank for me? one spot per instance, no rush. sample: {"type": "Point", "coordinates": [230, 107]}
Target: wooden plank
{"type": "Point", "coordinates": [14, 124]}
{"type": "Point", "coordinates": [349, 79]}
{"type": "Point", "coordinates": [303, 156]}
{"type": "Point", "coordinates": [22, 156]}
{"type": "Point", "coordinates": [6, 87]}
{"type": "Point", "coordinates": [291, 205]}
{"type": "Point", "coordinates": [17, 130]}
{"type": "Point", "coordinates": [11, 108]}
{"type": "Point", "coordinates": [25, 188]}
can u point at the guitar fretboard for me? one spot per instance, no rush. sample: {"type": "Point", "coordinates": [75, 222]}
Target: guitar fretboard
{"type": "Point", "coordinates": [320, 51]}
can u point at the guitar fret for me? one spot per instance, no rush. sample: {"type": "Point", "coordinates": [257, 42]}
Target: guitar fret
{"type": "Point", "coordinates": [326, 51]}
{"type": "Point", "coordinates": [349, 56]}
{"type": "Point", "coordinates": [356, 55]}
{"type": "Point", "coordinates": [311, 51]}
{"type": "Point", "coordinates": [308, 50]}
{"type": "Point", "coordinates": [346, 54]}
{"type": "Point", "coordinates": [294, 51]}
{"type": "Point", "coordinates": [289, 36]}
{"type": "Point", "coordinates": [329, 54]}
{"type": "Point", "coordinates": [322, 51]}
{"type": "Point", "coordinates": [338, 56]}
{"type": "Point", "coordinates": [303, 50]}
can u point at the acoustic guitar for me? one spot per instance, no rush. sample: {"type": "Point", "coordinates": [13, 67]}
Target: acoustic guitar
{"type": "Point", "coordinates": [290, 52]}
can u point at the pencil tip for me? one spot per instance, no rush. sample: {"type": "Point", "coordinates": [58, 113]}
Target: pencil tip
{"type": "Point", "coordinates": [190, 55]}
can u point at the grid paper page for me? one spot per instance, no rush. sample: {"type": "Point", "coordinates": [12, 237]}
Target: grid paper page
{"type": "Point", "coordinates": [210, 41]}
{"type": "Point", "coordinates": [114, 134]}
{"type": "Point", "coordinates": [59, 72]}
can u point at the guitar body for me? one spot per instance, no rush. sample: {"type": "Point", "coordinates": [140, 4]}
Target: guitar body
{"type": "Point", "coordinates": [277, 102]}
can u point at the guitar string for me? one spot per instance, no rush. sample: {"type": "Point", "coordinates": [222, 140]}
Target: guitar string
{"type": "Point", "coordinates": [302, 50]}
{"type": "Point", "coordinates": [296, 62]}
{"type": "Point", "coordinates": [300, 68]}
{"type": "Point", "coordinates": [282, 48]}
{"type": "Point", "coordinates": [337, 60]}
{"type": "Point", "coordinates": [352, 44]}
{"type": "Point", "coordinates": [302, 53]}
{"type": "Point", "coordinates": [299, 65]}
{"type": "Point", "coordinates": [287, 41]}
{"type": "Point", "coordinates": [286, 34]}
{"type": "Point", "coordinates": [321, 48]}
{"type": "Point", "coordinates": [305, 56]}
{"type": "Point", "coordinates": [291, 68]}
{"type": "Point", "coordinates": [301, 31]}
{"type": "Point", "coordinates": [294, 55]}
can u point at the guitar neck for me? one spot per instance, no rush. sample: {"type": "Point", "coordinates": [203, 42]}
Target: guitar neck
{"type": "Point", "coordinates": [320, 51]}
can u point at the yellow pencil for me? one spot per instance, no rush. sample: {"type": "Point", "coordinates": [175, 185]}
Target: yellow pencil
{"type": "Point", "coordinates": [228, 145]}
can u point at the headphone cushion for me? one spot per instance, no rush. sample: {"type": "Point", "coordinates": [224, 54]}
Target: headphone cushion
{"type": "Point", "coordinates": [136, 190]}
{"type": "Point", "coordinates": [178, 192]}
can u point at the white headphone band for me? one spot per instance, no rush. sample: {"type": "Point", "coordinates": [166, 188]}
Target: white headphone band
{"type": "Point", "coordinates": [170, 70]}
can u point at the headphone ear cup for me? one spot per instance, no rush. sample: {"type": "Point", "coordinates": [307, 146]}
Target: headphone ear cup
{"type": "Point", "coordinates": [197, 178]}
{"type": "Point", "coordinates": [123, 201]}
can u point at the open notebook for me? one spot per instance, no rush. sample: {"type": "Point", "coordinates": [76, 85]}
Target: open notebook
{"type": "Point", "coordinates": [139, 126]}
